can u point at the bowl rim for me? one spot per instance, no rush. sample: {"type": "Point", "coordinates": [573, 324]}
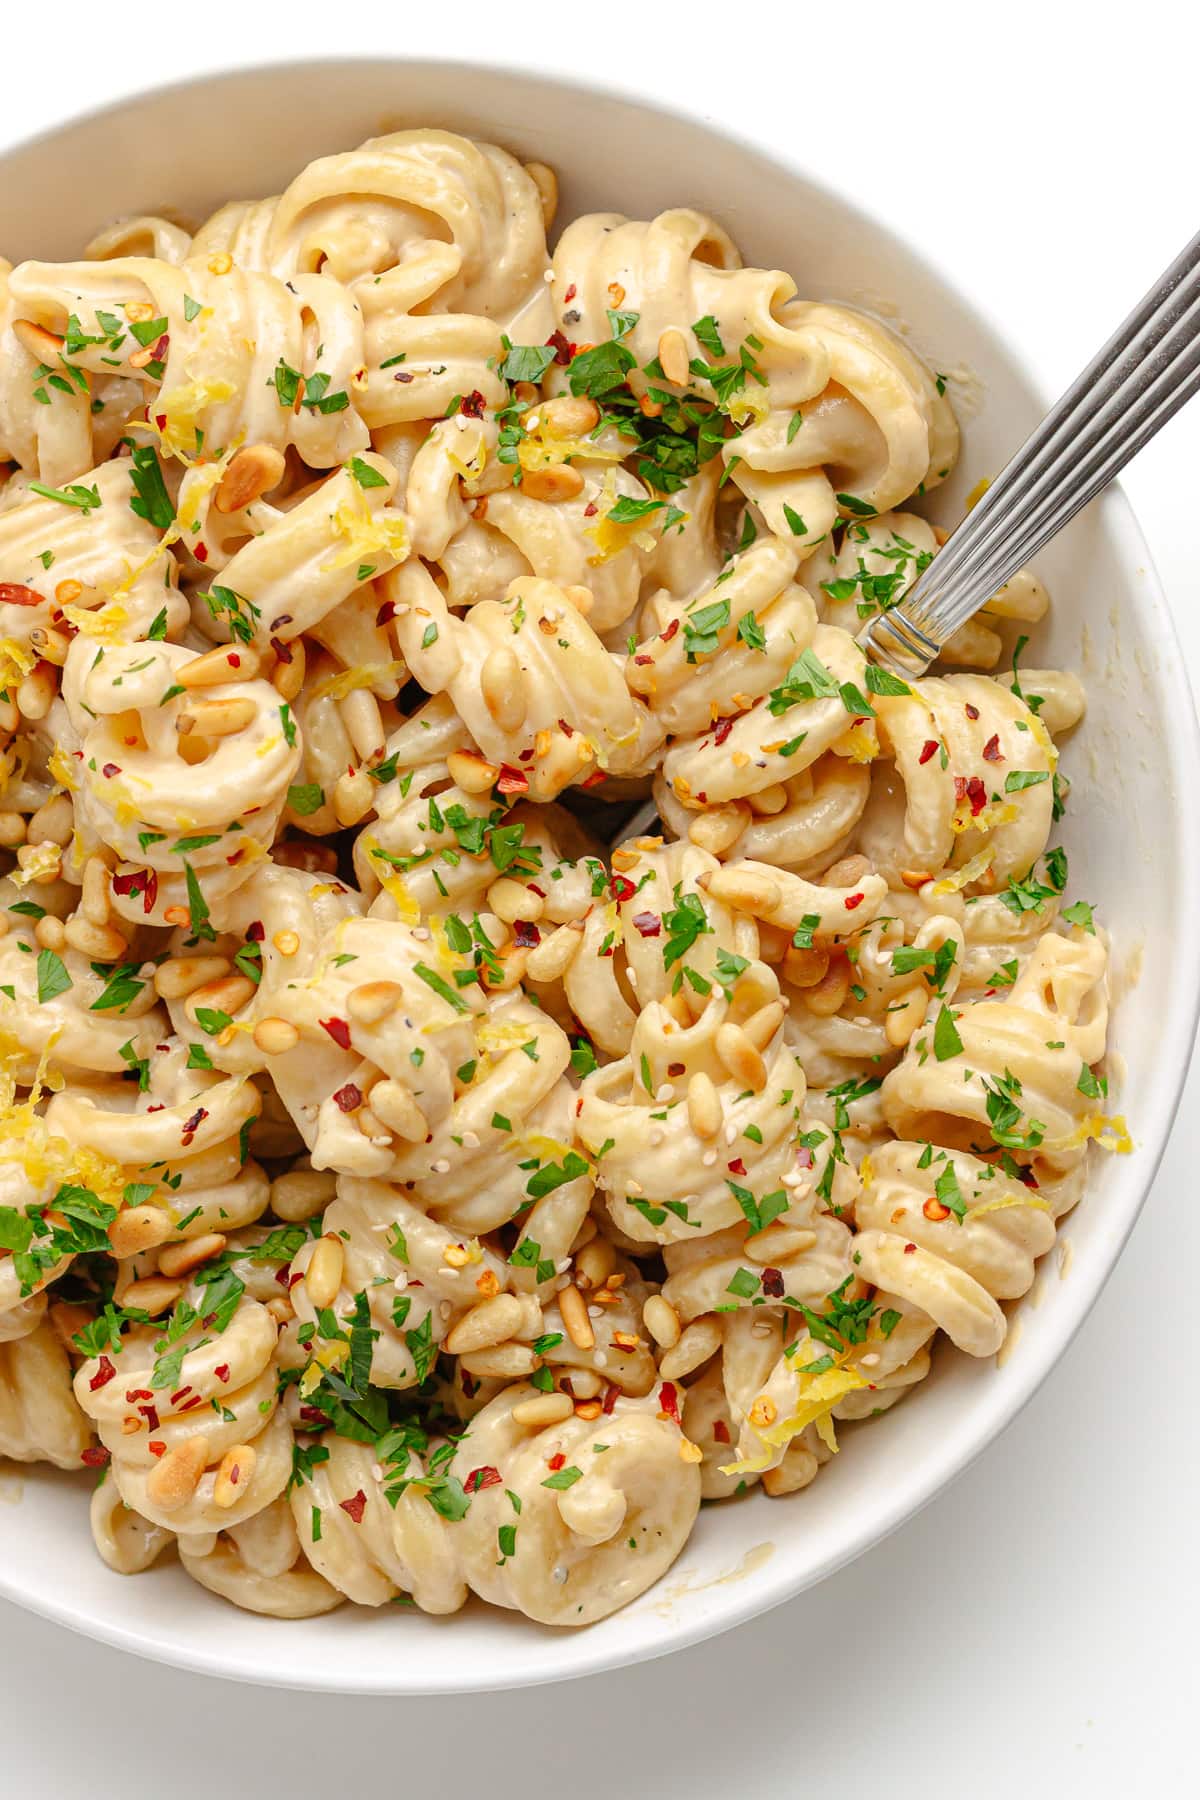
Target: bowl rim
{"type": "Point", "coordinates": [1181, 751]}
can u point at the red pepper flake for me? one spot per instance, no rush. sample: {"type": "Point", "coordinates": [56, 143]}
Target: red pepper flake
{"type": "Point", "coordinates": [910, 1249]}
{"type": "Point", "coordinates": [570, 294]}
{"type": "Point", "coordinates": [180, 1392]}
{"type": "Point", "coordinates": [621, 888]}
{"type": "Point", "coordinates": [590, 510]}
{"type": "Point", "coordinates": [14, 593]}
{"type": "Point", "coordinates": [772, 1283]}
{"type": "Point", "coordinates": [150, 1414]}
{"type": "Point", "coordinates": [131, 883]}
{"type": "Point", "coordinates": [669, 633]}
{"type": "Point", "coordinates": [853, 900]}
{"type": "Point", "coordinates": [563, 349]}
{"type": "Point", "coordinates": [222, 1371]}
{"type": "Point", "coordinates": [313, 1415]}
{"type": "Point", "coordinates": [132, 1394]}
{"type": "Point", "coordinates": [356, 1506]}
{"type": "Point", "coordinates": [160, 419]}
{"type": "Point", "coordinates": [612, 1394]}
{"type": "Point", "coordinates": [928, 748]}
{"type": "Point", "coordinates": [192, 1125]}
{"type": "Point", "coordinates": [386, 613]}
{"type": "Point", "coordinates": [535, 889]}
{"type": "Point", "coordinates": [720, 1431]}
{"type": "Point", "coordinates": [105, 1372]}
{"type": "Point", "coordinates": [483, 1477]}
{"type": "Point", "coordinates": [201, 553]}
{"type": "Point", "coordinates": [648, 924]}
{"type": "Point", "coordinates": [281, 1276]}
{"type": "Point", "coordinates": [95, 1456]}
{"type": "Point", "coordinates": [568, 731]}
{"type": "Point", "coordinates": [737, 1166]}
{"type": "Point", "coordinates": [470, 1387]}
{"type": "Point", "coordinates": [197, 1399]}
{"type": "Point", "coordinates": [512, 781]}
{"type": "Point", "coordinates": [349, 1098]}
{"type": "Point", "coordinates": [977, 795]}
{"type": "Point", "coordinates": [156, 1447]}
{"type": "Point", "coordinates": [338, 1030]}
{"type": "Point", "coordinates": [556, 1462]}
{"type": "Point", "coordinates": [641, 661]}
{"type": "Point", "coordinates": [723, 729]}
{"type": "Point", "coordinates": [702, 797]}
{"type": "Point", "coordinates": [256, 931]}
{"type": "Point", "coordinates": [594, 779]}
{"type": "Point", "coordinates": [472, 404]}
{"type": "Point", "coordinates": [283, 652]}
{"type": "Point", "coordinates": [110, 769]}
{"type": "Point", "coordinates": [668, 1401]}
{"type": "Point", "coordinates": [675, 1070]}
{"type": "Point", "coordinates": [991, 750]}
{"type": "Point", "coordinates": [972, 712]}
{"type": "Point", "coordinates": [526, 934]}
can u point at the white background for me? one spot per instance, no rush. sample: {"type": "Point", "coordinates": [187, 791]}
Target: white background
{"type": "Point", "coordinates": [1033, 1628]}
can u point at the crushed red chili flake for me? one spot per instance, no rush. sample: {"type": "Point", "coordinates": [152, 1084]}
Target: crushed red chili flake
{"type": "Point", "coordinates": [589, 511]}
{"type": "Point", "coordinates": [348, 1098]}
{"type": "Point", "coordinates": [621, 888]}
{"type": "Point", "coordinates": [156, 1447]}
{"type": "Point", "coordinates": [109, 770]}
{"type": "Point", "coordinates": [386, 613]}
{"type": "Point", "coordinates": [150, 1414]}
{"type": "Point", "coordinates": [293, 1278]}
{"type": "Point", "coordinates": [256, 931]}
{"type": "Point", "coordinates": [95, 1456]}
{"type": "Point", "coordinates": [472, 404]}
{"type": "Point", "coordinates": [853, 900]}
{"type": "Point", "coordinates": [641, 661]}
{"type": "Point", "coordinates": [177, 1396]}
{"type": "Point", "coordinates": [648, 924]}
{"type": "Point", "coordinates": [668, 1401]}
{"type": "Point", "coordinates": [737, 1166]}
{"type": "Point", "coordinates": [15, 593]}
{"type": "Point", "coordinates": [192, 1125]}
{"type": "Point", "coordinates": [483, 1477]}
{"type": "Point", "coordinates": [720, 1431]}
{"type": "Point", "coordinates": [563, 349]}
{"type": "Point", "coordinates": [928, 748]}
{"type": "Point", "coordinates": [283, 652]}
{"type": "Point", "coordinates": [197, 1399]}
{"type": "Point", "coordinates": [470, 1387]}
{"type": "Point", "coordinates": [972, 712]}
{"type": "Point", "coordinates": [132, 1394]}
{"type": "Point", "coordinates": [612, 1394]}
{"type": "Point", "coordinates": [772, 1283]}
{"type": "Point", "coordinates": [556, 1462]}
{"type": "Point", "coordinates": [972, 791]}
{"type": "Point", "coordinates": [313, 1415]}
{"type": "Point", "coordinates": [910, 1249]}
{"type": "Point", "coordinates": [670, 631]}
{"type": "Point", "coordinates": [675, 1070]}
{"type": "Point", "coordinates": [512, 781]}
{"type": "Point", "coordinates": [525, 755]}
{"type": "Point", "coordinates": [160, 419]}
{"type": "Point", "coordinates": [723, 729]}
{"type": "Point", "coordinates": [222, 1371]}
{"type": "Point", "coordinates": [356, 1506]}
{"type": "Point", "coordinates": [991, 750]}
{"type": "Point", "coordinates": [338, 1030]}
{"type": "Point", "coordinates": [570, 294]}
{"type": "Point", "coordinates": [105, 1372]}
{"type": "Point", "coordinates": [200, 552]}
{"type": "Point", "coordinates": [281, 1276]}
{"type": "Point", "coordinates": [568, 731]}
{"type": "Point", "coordinates": [526, 934]}
{"type": "Point", "coordinates": [702, 797]}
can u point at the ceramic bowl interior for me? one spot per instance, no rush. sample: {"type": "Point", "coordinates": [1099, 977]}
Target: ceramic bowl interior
{"type": "Point", "coordinates": [1131, 852]}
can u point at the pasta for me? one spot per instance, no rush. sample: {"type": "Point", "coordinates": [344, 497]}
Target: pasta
{"type": "Point", "coordinates": [403, 1196]}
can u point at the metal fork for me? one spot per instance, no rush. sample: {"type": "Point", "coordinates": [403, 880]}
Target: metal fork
{"type": "Point", "coordinates": [1143, 375]}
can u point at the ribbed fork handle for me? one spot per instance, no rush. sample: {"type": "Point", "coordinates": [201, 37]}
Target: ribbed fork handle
{"type": "Point", "coordinates": [1139, 380]}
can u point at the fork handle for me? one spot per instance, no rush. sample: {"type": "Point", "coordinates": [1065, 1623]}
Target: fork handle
{"type": "Point", "coordinates": [1139, 380]}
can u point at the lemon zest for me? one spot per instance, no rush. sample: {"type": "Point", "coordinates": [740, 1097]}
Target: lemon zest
{"type": "Point", "coordinates": [362, 675]}
{"type": "Point", "coordinates": [1109, 1131]}
{"type": "Point", "coordinates": [970, 871]}
{"type": "Point", "coordinates": [817, 1395]}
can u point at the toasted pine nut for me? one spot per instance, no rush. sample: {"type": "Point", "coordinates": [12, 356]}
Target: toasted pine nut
{"type": "Point", "coordinates": [102, 943]}
{"type": "Point", "coordinates": [568, 417]}
{"type": "Point", "coordinates": [903, 1018]}
{"type": "Point", "coordinates": [184, 975]}
{"type": "Point", "coordinates": [550, 960]}
{"type": "Point", "coordinates": [575, 1319]}
{"type": "Point", "coordinates": [584, 1384]}
{"type": "Point", "coordinates": [763, 1412]}
{"type": "Point", "coordinates": [828, 995]}
{"type": "Point", "coordinates": [777, 1243]}
{"type": "Point", "coordinates": [50, 932]}
{"type": "Point", "coordinates": [173, 1480]}
{"type": "Point", "coordinates": [511, 900]}
{"type": "Point", "coordinates": [392, 1103]}
{"type": "Point", "coordinates": [373, 1000]}
{"type": "Point", "coordinates": [42, 345]}
{"type": "Point", "coordinates": [215, 718]}
{"type": "Point", "coordinates": [224, 662]}
{"type": "Point", "coordinates": [502, 688]}
{"type": "Point", "coordinates": [805, 968]}
{"type": "Point", "coordinates": [228, 995]}
{"type": "Point", "coordinates": [12, 830]}
{"type": "Point", "coordinates": [68, 1320]}
{"type": "Point", "coordinates": [323, 1276]}
{"type": "Point", "coordinates": [581, 598]}
{"type": "Point", "coordinates": [302, 1193]}
{"type": "Point", "coordinates": [489, 1323]}
{"type": "Point", "coordinates": [353, 797]}
{"type": "Point", "coordinates": [287, 678]}
{"type": "Point", "coordinates": [53, 822]}
{"type": "Point", "coordinates": [661, 1321]}
{"type": "Point", "coordinates": [743, 888]}
{"type": "Point", "coordinates": [360, 714]}
{"type": "Point", "coordinates": [545, 1409]}
{"type": "Point", "coordinates": [555, 483]}
{"type": "Point", "coordinates": [275, 1037]}
{"type": "Point", "coordinates": [234, 1474]}
{"type": "Point", "coordinates": [794, 1472]}
{"type": "Point", "coordinates": [847, 872]}
{"type": "Point", "coordinates": [152, 1294]}
{"type": "Point", "coordinates": [546, 182]}
{"type": "Point", "coordinates": [138, 1228]}
{"type": "Point", "coordinates": [768, 801]}
{"type": "Point", "coordinates": [36, 691]}
{"type": "Point", "coordinates": [181, 1259]}
{"type": "Point", "coordinates": [673, 356]}
{"type": "Point", "coordinates": [94, 901]}
{"type": "Point", "coordinates": [740, 1057]}
{"type": "Point", "coordinates": [469, 771]}
{"type": "Point", "coordinates": [50, 645]}
{"type": "Point", "coordinates": [761, 1026]}
{"type": "Point", "coordinates": [705, 1113]}
{"type": "Point", "coordinates": [253, 472]}
{"type": "Point", "coordinates": [720, 828]}
{"type": "Point", "coordinates": [280, 1309]}
{"type": "Point", "coordinates": [506, 1362]}
{"type": "Point", "coordinates": [594, 1263]}
{"type": "Point", "coordinates": [915, 878]}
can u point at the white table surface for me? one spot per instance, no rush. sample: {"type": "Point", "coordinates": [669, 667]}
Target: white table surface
{"type": "Point", "coordinates": [1032, 1629]}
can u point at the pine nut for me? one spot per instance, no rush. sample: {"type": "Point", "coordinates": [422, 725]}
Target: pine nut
{"type": "Point", "coordinates": [489, 1323]}
{"type": "Point", "coordinates": [184, 975]}
{"type": "Point", "coordinates": [581, 598]}
{"type": "Point", "coordinates": [511, 900]}
{"type": "Point", "coordinates": [50, 932]}
{"type": "Point", "coordinates": [744, 889]}
{"type": "Point", "coordinates": [700, 1340]}
{"type": "Point", "coordinates": [224, 662]}
{"type": "Point", "coordinates": [553, 484]}
{"type": "Point", "coordinates": [53, 822]}
{"type": "Point", "coordinates": [719, 829]}
{"type": "Point", "coordinates": [575, 1318]}
{"type": "Point", "coordinates": [392, 1102]}
{"type": "Point", "coordinates": [904, 1018]}
{"type": "Point", "coordinates": [181, 1259]}
{"type": "Point", "coordinates": [502, 689]}
{"type": "Point", "coordinates": [172, 1481]}
{"type": "Point", "coordinates": [373, 1000]}
{"type": "Point", "coordinates": [36, 691]}
{"type": "Point", "coordinates": [761, 1026]}
{"type": "Point", "coordinates": [550, 960]}
{"type": "Point", "coordinates": [740, 1057]}
{"type": "Point", "coordinates": [68, 1320]}
{"type": "Point", "coordinates": [102, 943]}
{"type": "Point", "coordinates": [228, 995]}
{"type": "Point", "coordinates": [567, 417]}
{"type": "Point", "coordinates": [506, 1362]}
{"type": "Point", "coordinates": [777, 1243]}
{"type": "Point", "coordinates": [234, 1474]}
{"type": "Point", "coordinates": [287, 678]}
{"type": "Point", "coordinates": [253, 472]}
{"type": "Point", "coordinates": [275, 1037]}
{"type": "Point", "coordinates": [673, 356]}
{"type": "Point", "coordinates": [215, 718]}
{"type": "Point", "coordinates": [353, 797]}
{"type": "Point", "coordinates": [138, 1228]}
{"type": "Point", "coordinates": [42, 345]}
{"type": "Point", "coordinates": [469, 771]}
{"type": "Point", "coordinates": [915, 878]}
{"type": "Point", "coordinates": [12, 830]}
{"type": "Point", "coordinates": [546, 182]}
{"type": "Point", "coordinates": [705, 1113]}
{"type": "Point", "coordinates": [360, 714]}
{"type": "Point", "coordinates": [594, 1263]}
{"type": "Point", "coordinates": [768, 801]}
{"type": "Point", "coordinates": [847, 872]}
{"type": "Point", "coordinates": [661, 1321]}
{"type": "Point", "coordinates": [302, 1193]}
{"type": "Point", "coordinates": [805, 968]}
{"type": "Point", "coordinates": [280, 1309]}
{"type": "Point", "coordinates": [828, 995]}
{"type": "Point", "coordinates": [151, 1294]}
{"type": "Point", "coordinates": [50, 645]}
{"type": "Point", "coordinates": [323, 1276]}
{"type": "Point", "coordinates": [546, 1409]}
{"type": "Point", "coordinates": [94, 899]}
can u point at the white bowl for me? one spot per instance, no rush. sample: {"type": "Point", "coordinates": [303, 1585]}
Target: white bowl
{"type": "Point", "coordinates": [1128, 830]}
